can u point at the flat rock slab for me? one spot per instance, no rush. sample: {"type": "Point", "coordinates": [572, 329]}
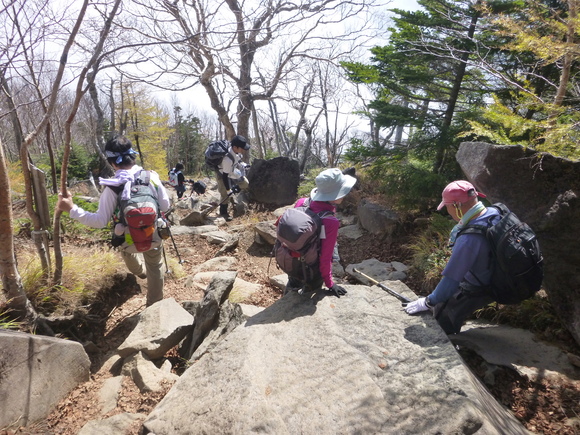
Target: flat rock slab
{"type": "Point", "coordinates": [518, 349]}
{"type": "Point", "coordinates": [317, 364]}
{"type": "Point", "coordinates": [37, 372]}
{"type": "Point", "coordinates": [183, 229]}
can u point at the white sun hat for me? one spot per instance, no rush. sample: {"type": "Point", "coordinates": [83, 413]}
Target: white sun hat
{"type": "Point", "coordinates": [332, 184]}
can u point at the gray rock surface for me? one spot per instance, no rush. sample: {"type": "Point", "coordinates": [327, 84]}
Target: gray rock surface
{"type": "Point", "coordinates": [109, 393]}
{"type": "Point", "coordinates": [517, 349]}
{"type": "Point", "coordinates": [184, 229]}
{"type": "Point", "coordinates": [117, 424]}
{"type": "Point", "coordinates": [377, 219]}
{"type": "Point", "coordinates": [146, 375]}
{"type": "Point", "coordinates": [351, 231]}
{"type": "Point", "coordinates": [543, 191]}
{"type": "Point", "coordinates": [267, 231]}
{"type": "Point", "coordinates": [274, 181]}
{"type": "Point", "coordinates": [36, 372]}
{"type": "Point", "coordinates": [378, 270]}
{"type": "Point", "coordinates": [161, 326]}
{"type": "Point", "coordinates": [316, 364]}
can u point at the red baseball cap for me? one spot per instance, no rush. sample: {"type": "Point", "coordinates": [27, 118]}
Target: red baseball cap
{"type": "Point", "coordinates": [459, 191]}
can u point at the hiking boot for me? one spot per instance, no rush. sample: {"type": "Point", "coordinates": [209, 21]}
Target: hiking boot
{"type": "Point", "coordinates": [224, 212]}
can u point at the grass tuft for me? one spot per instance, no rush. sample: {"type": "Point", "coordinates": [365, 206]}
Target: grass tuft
{"type": "Point", "coordinates": [83, 277]}
{"type": "Point", "coordinates": [431, 252]}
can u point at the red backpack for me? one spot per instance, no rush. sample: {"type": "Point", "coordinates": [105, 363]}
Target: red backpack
{"type": "Point", "coordinates": [140, 215]}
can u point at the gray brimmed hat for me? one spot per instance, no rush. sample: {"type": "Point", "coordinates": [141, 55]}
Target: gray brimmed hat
{"type": "Point", "coordinates": [332, 184]}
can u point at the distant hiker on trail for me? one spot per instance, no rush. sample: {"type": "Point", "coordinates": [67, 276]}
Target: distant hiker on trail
{"type": "Point", "coordinates": [460, 292]}
{"type": "Point", "coordinates": [143, 257]}
{"type": "Point", "coordinates": [231, 173]}
{"type": "Point", "coordinates": [331, 188]}
{"type": "Point", "coordinates": [177, 180]}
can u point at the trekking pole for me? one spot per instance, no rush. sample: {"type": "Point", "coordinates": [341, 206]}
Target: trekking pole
{"type": "Point", "coordinates": [165, 258]}
{"type": "Point", "coordinates": [174, 245]}
{"type": "Point", "coordinates": [399, 296]}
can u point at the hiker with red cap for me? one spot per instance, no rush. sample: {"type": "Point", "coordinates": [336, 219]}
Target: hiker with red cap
{"type": "Point", "coordinates": [468, 271]}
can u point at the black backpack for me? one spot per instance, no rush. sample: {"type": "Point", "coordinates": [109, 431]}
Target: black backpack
{"type": "Point", "coordinates": [516, 258]}
{"type": "Point", "coordinates": [215, 153]}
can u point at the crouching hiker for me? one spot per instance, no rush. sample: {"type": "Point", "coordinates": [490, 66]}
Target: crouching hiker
{"type": "Point", "coordinates": [495, 257]}
{"type": "Point", "coordinates": [307, 234]}
{"type": "Point", "coordinates": [132, 195]}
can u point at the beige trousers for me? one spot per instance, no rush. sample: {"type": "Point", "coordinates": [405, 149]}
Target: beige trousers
{"type": "Point", "coordinates": [242, 182]}
{"type": "Point", "coordinates": [151, 264]}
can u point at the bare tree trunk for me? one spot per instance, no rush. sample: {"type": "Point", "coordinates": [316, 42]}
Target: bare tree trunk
{"type": "Point", "coordinates": [100, 127]}
{"type": "Point", "coordinates": [80, 92]}
{"type": "Point", "coordinates": [257, 139]}
{"type": "Point", "coordinates": [442, 147]}
{"type": "Point", "coordinates": [567, 59]}
{"type": "Point", "coordinates": [112, 105]}
{"type": "Point", "coordinates": [11, 281]}
{"type": "Point", "coordinates": [16, 126]}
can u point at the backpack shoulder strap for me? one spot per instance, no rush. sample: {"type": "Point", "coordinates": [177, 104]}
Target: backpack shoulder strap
{"type": "Point", "coordinates": [474, 229]}
{"type": "Point", "coordinates": [143, 177]}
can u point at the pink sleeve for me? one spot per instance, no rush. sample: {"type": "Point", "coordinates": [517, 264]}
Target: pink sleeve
{"type": "Point", "coordinates": [331, 225]}
{"type": "Point", "coordinates": [300, 202]}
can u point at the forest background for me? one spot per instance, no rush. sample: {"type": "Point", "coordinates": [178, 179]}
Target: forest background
{"type": "Point", "coordinates": [289, 76]}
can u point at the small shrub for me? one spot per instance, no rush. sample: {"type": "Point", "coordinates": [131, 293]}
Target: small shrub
{"type": "Point", "coordinates": [431, 252]}
{"type": "Point", "coordinates": [82, 277]}
{"type": "Point", "coordinates": [309, 182]}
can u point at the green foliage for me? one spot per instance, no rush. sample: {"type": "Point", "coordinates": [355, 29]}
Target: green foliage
{"type": "Point", "coordinates": [431, 252]}
{"type": "Point", "coordinates": [309, 182]}
{"type": "Point", "coordinates": [73, 227]}
{"type": "Point", "coordinates": [83, 276]}
{"type": "Point", "coordinates": [510, 126]}
{"type": "Point", "coordinates": [187, 143]}
{"type": "Point", "coordinates": [271, 154]}
{"type": "Point", "coordinates": [6, 321]}
{"type": "Point", "coordinates": [406, 177]}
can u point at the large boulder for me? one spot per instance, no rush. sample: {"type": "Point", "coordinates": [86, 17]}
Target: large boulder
{"type": "Point", "coordinates": [543, 191]}
{"type": "Point", "coordinates": [274, 181]}
{"type": "Point", "coordinates": [317, 364]}
{"type": "Point", "coordinates": [36, 372]}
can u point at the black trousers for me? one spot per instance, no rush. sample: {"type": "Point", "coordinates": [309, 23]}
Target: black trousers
{"type": "Point", "coordinates": [452, 313]}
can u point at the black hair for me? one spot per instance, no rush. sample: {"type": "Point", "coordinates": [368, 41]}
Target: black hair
{"type": "Point", "coordinates": [179, 166]}
{"type": "Point", "coordinates": [120, 144]}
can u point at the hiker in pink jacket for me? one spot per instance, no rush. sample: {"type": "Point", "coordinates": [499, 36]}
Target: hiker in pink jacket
{"type": "Point", "coordinates": [331, 188]}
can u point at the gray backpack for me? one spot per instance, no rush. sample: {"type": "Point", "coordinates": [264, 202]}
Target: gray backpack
{"type": "Point", "coordinates": [297, 246]}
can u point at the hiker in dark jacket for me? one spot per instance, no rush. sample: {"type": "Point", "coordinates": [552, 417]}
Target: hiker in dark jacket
{"type": "Point", "coordinates": [180, 188]}
{"type": "Point", "coordinates": [147, 264]}
{"type": "Point", "coordinates": [461, 291]}
{"type": "Point", "coordinates": [331, 188]}
{"type": "Point", "coordinates": [231, 173]}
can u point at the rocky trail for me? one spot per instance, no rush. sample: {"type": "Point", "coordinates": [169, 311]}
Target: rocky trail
{"type": "Point", "coordinates": [545, 398]}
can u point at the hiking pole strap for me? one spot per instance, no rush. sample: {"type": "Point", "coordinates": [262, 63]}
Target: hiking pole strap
{"type": "Point", "coordinates": [384, 287]}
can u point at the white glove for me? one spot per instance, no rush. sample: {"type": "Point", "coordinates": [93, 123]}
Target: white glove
{"type": "Point", "coordinates": [416, 306]}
